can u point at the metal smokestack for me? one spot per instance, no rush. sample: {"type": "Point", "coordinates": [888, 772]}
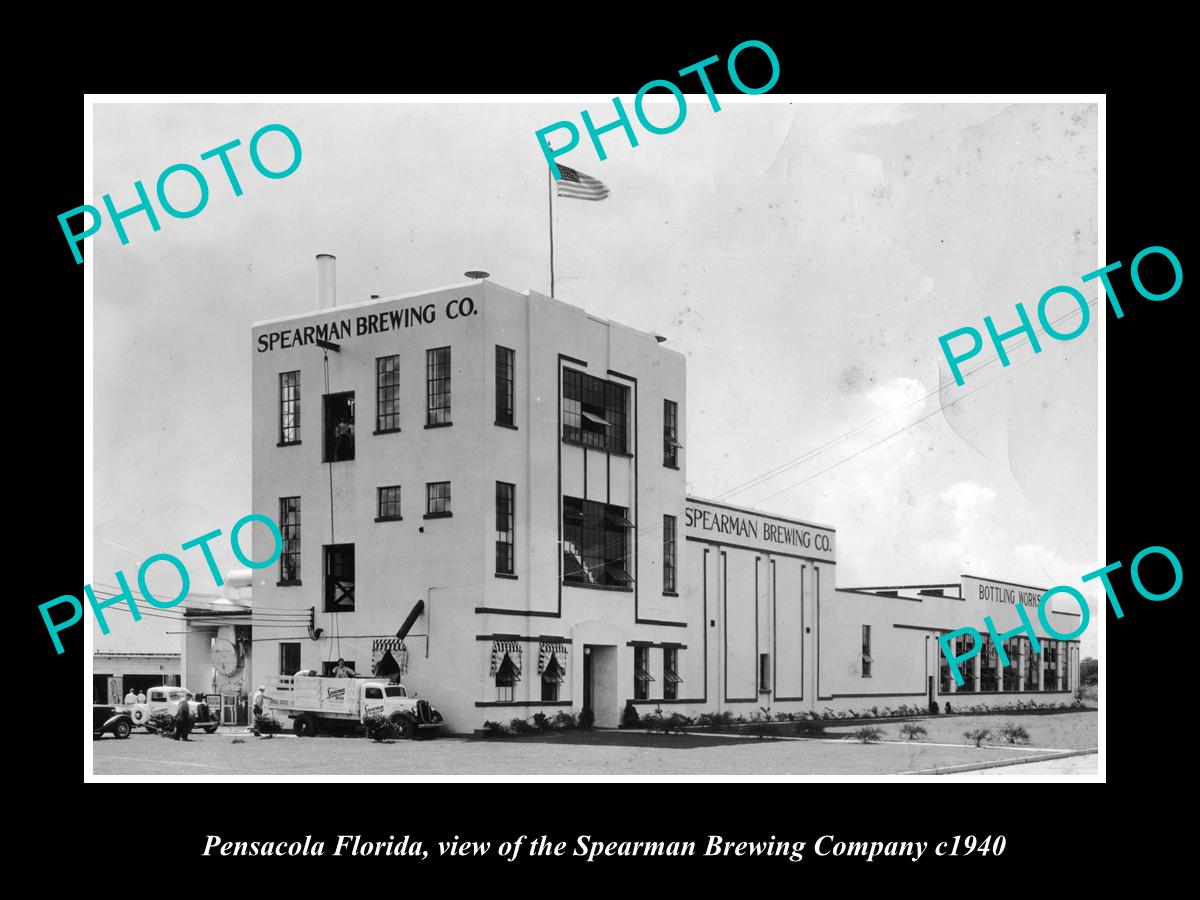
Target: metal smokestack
{"type": "Point", "coordinates": [326, 281]}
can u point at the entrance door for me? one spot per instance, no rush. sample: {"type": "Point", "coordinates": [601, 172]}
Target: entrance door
{"type": "Point", "coordinates": [588, 679]}
{"type": "Point", "coordinates": [930, 680]}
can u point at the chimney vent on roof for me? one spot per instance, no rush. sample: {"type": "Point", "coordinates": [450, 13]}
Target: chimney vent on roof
{"type": "Point", "coordinates": [326, 281]}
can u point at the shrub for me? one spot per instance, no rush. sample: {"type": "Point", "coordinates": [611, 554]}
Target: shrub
{"type": "Point", "coordinates": [828, 713]}
{"type": "Point", "coordinates": [720, 719]}
{"type": "Point", "coordinates": [587, 718]}
{"type": "Point", "coordinates": [764, 713]}
{"type": "Point", "coordinates": [521, 726]}
{"type": "Point", "coordinates": [868, 734]}
{"type": "Point", "coordinates": [563, 721]}
{"type": "Point", "coordinates": [163, 724]}
{"type": "Point", "coordinates": [630, 718]}
{"type": "Point", "coordinates": [977, 735]}
{"type": "Point", "coordinates": [265, 726]}
{"type": "Point", "coordinates": [740, 719]}
{"type": "Point", "coordinates": [1012, 733]}
{"type": "Point", "coordinates": [653, 720]}
{"type": "Point", "coordinates": [949, 711]}
{"type": "Point", "coordinates": [913, 732]}
{"type": "Point", "coordinates": [541, 721]}
{"type": "Point", "coordinates": [675, 722]}
{"type": "Point", "coordinates": [380, 728]}
{"type": "Point", "coordinates": [496, 728]}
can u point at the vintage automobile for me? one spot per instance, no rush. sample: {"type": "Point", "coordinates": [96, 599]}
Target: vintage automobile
{"type": "Point", "coordinates": [165, 699]}
{"type": "Point", "coordinates": [110, 720]}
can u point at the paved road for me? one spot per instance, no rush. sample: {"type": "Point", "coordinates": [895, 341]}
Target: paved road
{"type": "Point", "coordinates": [1053, 768]}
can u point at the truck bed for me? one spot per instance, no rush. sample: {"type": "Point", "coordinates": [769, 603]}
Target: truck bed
{"type": "Point", "coordinates": [330, 697]}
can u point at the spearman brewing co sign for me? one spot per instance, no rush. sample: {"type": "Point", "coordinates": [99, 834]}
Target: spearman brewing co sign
{"type": "Point", "coordinates": [722, 524]}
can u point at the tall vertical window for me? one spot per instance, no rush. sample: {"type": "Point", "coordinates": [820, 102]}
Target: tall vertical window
{"type": "Point", "coordinates": [507, 676]}
{"type": "Point", "coordinates": [505, 502]}
{"type": "Point", "coordinates": [387, 393]}
{"type": "Point", "coordinates": [437, 386]}
{"type": "Point", "coordinates": [595, 411]}
{"type": "Point", "coordinates": [389, 503]}
{"type": "Point", "coordinates": [437, 499]}
{"type": "Point", "coordinates": [289, 659]}
{"type": "Point", "coordinates": [641, 673]}
{"type": "Point", "coordinates": [339, 578]}
{"type": "Point", "coordinates": [962, 646]}
{"type": "Point", "coordinates": [595, 543]}
{"type": "Point", "coordinates": [1050, 675]}
{"type": "Point", "coordinates": [669, 554]}
{"type": "Point", "coordinates": [1065, 666]}
{"type": "Point", "coordinates": [867, 662]}
{"type": "Point", "coordinates": [289, 528]}
{"type": "Point", "coordinates": [671, 445]}
{"type": "Point", "coordinates": [989, 668]}
{"type": "Point", "coordinates": [289, 407]}
{"type": "Point", "coordinates": [1012, 648]}
{"type": "Point", "coordinates": [552, 676]}
{"type": "Point", "coordinates": [339, 427]}
{"type": "Point", "coordinates": [505, 381]}
{"type": "Point", "coordinates": [1033, 662]}
{"type": "Point", "coordinates": [671, 679]}
{"type": "Point", "coordinates": [764, 673]}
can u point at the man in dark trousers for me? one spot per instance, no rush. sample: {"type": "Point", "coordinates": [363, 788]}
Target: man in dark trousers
{"type": "Point", "coordinates": [183, 721]}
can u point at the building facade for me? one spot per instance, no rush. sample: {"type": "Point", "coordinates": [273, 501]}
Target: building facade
{"type": "Point", "coordinates": [508, 472]}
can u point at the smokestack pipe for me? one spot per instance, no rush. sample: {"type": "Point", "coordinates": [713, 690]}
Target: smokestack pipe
{"type": "Point", "coordinates": [411, 620]}
{"type": "Point", "coordinates": [326, 281]}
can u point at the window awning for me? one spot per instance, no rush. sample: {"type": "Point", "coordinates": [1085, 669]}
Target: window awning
{"type": "Point", "coordinates": [642, 674]}
{"type": "Point", "coordinates": [506, 652]}
{"type": "Point", "coordinates": [554, 673]}
{"type": "Point", "coordinates": [671, 441]}
{"type": "Point", "coordinates": [551, 651]}
{"type": "Point", "coordinates": [595, 419]}
{"type": "Point", "coordinates": [867, 658]}
{"type": "Point", "coordinates": [670, 677]}
{"type": "Point", "coordinates": [508, 671]}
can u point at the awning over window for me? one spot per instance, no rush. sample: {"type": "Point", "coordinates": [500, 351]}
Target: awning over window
{"type": "Point", "coordinates": [619, 575]}
{"type": "Point", "coordinates": [670, 441]}
{"type": "Point", "coordinates": [643, 675]}
{"type": "Point", "coordinates": [509, 651]}
{"type": "Point", "coordinates": [616, 520]}
{"type": "Point", "coordinates": [553, 673]}
{"type": "Point", "coordinates": [867, 658]}
{"type": "Point", "coordinates": [548, 650]}
{"type": "Point", "coordinates": [595, 419]}
{"type": "Point", "coordinates": [670, 677]}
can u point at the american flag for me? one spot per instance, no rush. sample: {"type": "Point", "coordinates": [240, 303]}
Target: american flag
{"type": "Point", "coordinates": [572, 183]}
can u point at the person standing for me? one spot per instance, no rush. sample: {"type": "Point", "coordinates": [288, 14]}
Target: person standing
{"type": "Point", "coordinates": [141, 697]}
{"type": "Point", "coordinates": [130, 697]}
{"type": "Point", "coordinates": [258, 700]}
{"type": "Point", "coordinates": [183, 721]}
{"type": "Point", "coordinates": [342, 670]}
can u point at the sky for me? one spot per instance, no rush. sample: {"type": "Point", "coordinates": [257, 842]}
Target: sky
{"type": "Point", "coordinates": [805, 258]}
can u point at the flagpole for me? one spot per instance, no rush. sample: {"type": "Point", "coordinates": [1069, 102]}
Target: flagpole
{"type": "Point", "coordinates": [550, 215]}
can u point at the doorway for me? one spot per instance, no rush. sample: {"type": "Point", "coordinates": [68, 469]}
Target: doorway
{"type": "Point", "coordinates": [600, 683]}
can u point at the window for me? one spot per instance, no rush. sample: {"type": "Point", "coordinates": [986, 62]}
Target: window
{"type": "Point", "coordinates": [395, 690]}
{"type": "Point", "coordinates": [764, 672]}
{"type": "Point", "coordinates": [329, 665]}
{"type": "Point", "coordinates": [668, 554]}
{"type": "Point", "coordinates": [289, 529]}
{"type": "Point", "coordinates": [1032, 665]}
{"type": "Point", "coordinates": [944, 677]}
{"type": "Point", "coordinates": [641, 673]}
{"type": "Point", "coordinates": [989, 667]}
{"type": "Point", "coordinates": [595, 411]}
{"type": "Point", "coordinates": [289, 659]}
{"type": "Point", "coordinates": [437, 499]}
{"type": "Point", "coordinates": [671, 679]}
{"type": "Point", "coordinates": [373, 693]}
{"type": "Point", "coordinates": [505, 381]}
{"type": "Point", "coordinates": [437, 386]}
{"type": "Point", "coordinates": [505, 500]}
{"type": "Point", "coordinates": [1050, 675]}
{"type": "Point", "coordinates": [595, 542]}
{"type": "Point", "coordinates": [671, 445]}
{"type": "Point", "coordinates": [962, 645]}
{"type": "Point", "coordinates": [1065, 667]}
{"type": "Point", "coordinates": [866, 651]}
{"type": "Point", "coordinates": [507, 676]}
{"type": "Point", "coordinates": [1012, 649]}
{"type": "Point", "coordinates": [339, 427]}
{"type": "Point", "coordinates": [552, 677]}
{"type": "Point", "coordinates": [289, 408]}
{"type": "Point", "coordinates": [387, 393]}
{"type": "Point", "coordinates": [389, 503]}
{"type": "Point", "coordinates": [339, 578]}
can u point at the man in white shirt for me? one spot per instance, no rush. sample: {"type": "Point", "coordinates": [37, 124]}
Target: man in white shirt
{"type": "Point", "coordinates": [130, 698]}
{"type": "Point", "coordinates": [141, 697]}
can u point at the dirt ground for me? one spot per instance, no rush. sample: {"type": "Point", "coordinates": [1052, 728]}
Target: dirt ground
{"type": "Point", "coordinates": [606, 753]}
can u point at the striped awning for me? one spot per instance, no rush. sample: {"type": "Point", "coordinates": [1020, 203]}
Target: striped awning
{"type": "Point", "coordinates": [381, 647]}
{"type": "Point", "coordinates": [546, 649]}
{"type": "Point", "coordinates": [510, 648]}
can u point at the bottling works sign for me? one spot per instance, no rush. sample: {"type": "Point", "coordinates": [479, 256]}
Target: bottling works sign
{"type": "Point", "coordinates": [709, 522]}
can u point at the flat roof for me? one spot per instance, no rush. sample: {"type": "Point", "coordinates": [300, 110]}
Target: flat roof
{"type": "Point", "coordinates": [758, 512]}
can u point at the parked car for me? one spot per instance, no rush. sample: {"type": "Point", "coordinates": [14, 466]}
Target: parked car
{"type": "Point", "coordinates": [110, 720]}
{"type": "Point", "coordinates": [165, 699]}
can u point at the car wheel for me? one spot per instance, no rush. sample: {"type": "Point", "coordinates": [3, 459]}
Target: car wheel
{"type": "Point", "coordinates": [121, 730]}
{"type": "Point", "coordinates": [305, 726]}
{"type": "Point", "coordinates": [210, 729]}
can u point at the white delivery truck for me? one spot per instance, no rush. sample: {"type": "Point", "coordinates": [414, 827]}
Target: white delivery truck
{"type": "Point", "coordinates": [311, 701]}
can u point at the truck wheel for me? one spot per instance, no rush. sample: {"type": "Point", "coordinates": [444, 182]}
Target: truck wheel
{"type": "Point", "coordinates": [407, 728]}
{"type": "Point", "coordinates": [122, 729]}
{"type": "Point", "coordinates": [305, 726]}
{"type": "Point", "coordinates": [211, 729]}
